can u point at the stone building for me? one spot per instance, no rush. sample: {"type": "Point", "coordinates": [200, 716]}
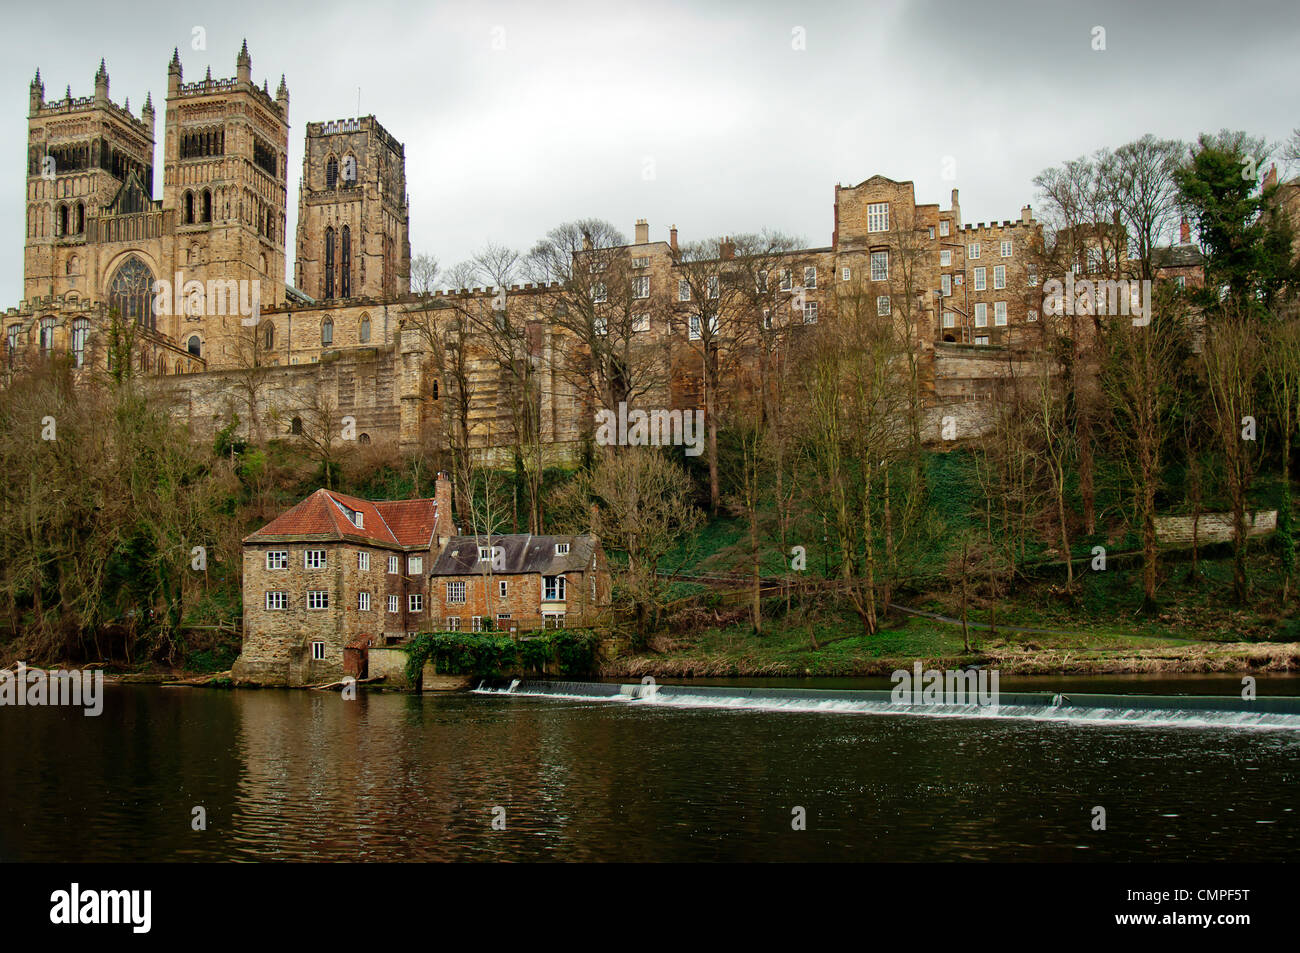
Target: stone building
{"type": "Point", "coordinates": [519, 582]}
{"type": "Point", "coordinates": [332, 576]}
{"type": "Point", "coordinates": [230, 337]}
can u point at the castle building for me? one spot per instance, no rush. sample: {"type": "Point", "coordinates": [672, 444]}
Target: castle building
{"type": "Point", "coordinates": [199, 278]}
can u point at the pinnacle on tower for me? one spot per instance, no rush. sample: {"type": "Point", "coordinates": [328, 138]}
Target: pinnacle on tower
{"type": "Point", "coordinates": [126, 104]}
{"type": "Point", "coordinates": [148, 103]}
{"type": "Point", "coordinates": [243, 54]}
{"type": "Point", "coordinates": [208, 78]}
{"type": "Point", "coordinates": [244, 65]}
{"type": "Point", "coordinates": [37, 81]}
{"type": "Point", "coordinates": [283, 91]}
{"type": "Point", "coordinates": [175, 65]}
{"type": "Point", "coordinates": [102, 71]}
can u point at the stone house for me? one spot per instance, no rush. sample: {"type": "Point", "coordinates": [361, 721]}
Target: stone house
{"type": "Point", "coordinates": [519, 582]}
{"type": "Point", "coordinates": [332, 576]}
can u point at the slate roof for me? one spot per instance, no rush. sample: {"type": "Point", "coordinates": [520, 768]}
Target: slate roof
{"type": "Point", "coordinates": [523, 553]}
{"type": "Point", "coordinates": [1178, 256]}
{"type": "Point", "coordinates": [325, 516]}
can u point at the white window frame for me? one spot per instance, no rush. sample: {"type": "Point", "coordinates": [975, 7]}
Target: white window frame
{"type": "Point", "coordinates": [810, 277]}
{"type": "Point", "coordinates": [845, 273]}
{"type": "Point", "coordinates": [982, 340]}
{"type": "Point", "coordinates": [476, 623]}
{"type": "Point", "coordinates": [503, 589]}
{"type": "Point", "coordinates": [1031, 315]}
{"type": "Point", "coordinates": [810, 312]}
{"type": "Point", "coordinates": [972, 249]}
{"type": "Point", "coordinates": [274, 596]}
{"type": "Point", "coordinates": [878, 217]}
{"type": "Point", "coordinates": [363, 561]}
{"type": "Point", "coordinates": [394, 565]}
{"type": "Point", "coordinates": [641, 286]}
{"type": "Point", "coordinates": [980, 278]}
{"type": "Point", "coordinates": [945, 285]}
{"type": "Point", "coordinates": [693, 327]}
{"type": "Point", "coordinates": [310, 556]}
{"type": "Point", "coordinates": [713, 286]}
{"type": "Point", "coordinates": [599, 293]}
{"type": "Point", "coordinates": [683, 290]}
{"type": "Point", "coordinates": [456, 592]}
{"type": "Point", "coordinates": [394, 604]}
{"type": "Point", "coordinates": [451, 623]}
{"type": "Point", "coordinates": [999, 277]}
{"type": "Point", "coordinates": [981, 315]}
{"type": "Point", "coordinates": [553, 589]}
{"type": "Point", "coordinates": [999, 314]}
{"type": "Point", "coordinates": [321, 598]}
{"type": "Point", "coordinates": [277, 559]}
{"type": "Point", "coordinates": [945, 258]}
{"type": "Point", "coordinates": [552, 620]}
{"type": "Point", "coordinates": [640, 322]}
{"type": "Point", "coordinates": [414, 565]}
{"type": "Point", "coordinates": [318, 651]}
{"type": "Point", "coordinates": [363, 602]}
{"type": "Point", "coordinates": [415, 602]}
{"type": "Point", "coordinates": [787, 279]}
{"type": "Point", "coordinates": [561, 549]}
{"type": "Point", "coordinates": [1006, 249]}
{"type": "Point", "coordinates": [943, 227]}
{"type": "Point", "coordinates": [880, 266]}
{"type": "Point", "coordinates": [882, 305]}
{"type": "Point", "coordinates": [949, 319]}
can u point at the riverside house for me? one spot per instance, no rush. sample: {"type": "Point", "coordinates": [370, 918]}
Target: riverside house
{"type": "Point", "coordinates": [333, 576]}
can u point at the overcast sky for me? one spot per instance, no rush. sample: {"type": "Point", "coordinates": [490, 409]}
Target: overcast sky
{"type": "Point", "coordinates": [705, 115]}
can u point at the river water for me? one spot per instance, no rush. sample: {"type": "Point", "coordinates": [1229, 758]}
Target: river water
{"type": "Point", "coordinates": [297, 775]}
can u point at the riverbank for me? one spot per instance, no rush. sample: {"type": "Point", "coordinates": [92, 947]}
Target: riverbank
{"type": "Point", "coordinates": [734, 651]}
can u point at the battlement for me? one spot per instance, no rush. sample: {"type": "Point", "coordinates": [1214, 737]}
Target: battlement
{"type": "Point", "coordinates": [340, 127]}
{"type": "Point", "coordinates": [70, 104]}
{"type": "Point", "coordinates": [211, 87]}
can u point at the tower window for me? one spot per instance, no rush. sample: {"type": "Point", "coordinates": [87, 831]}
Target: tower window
{"type": "Point", "coordinates": [268, 336]}
{"type": "Point", "coordinates": [295, 425]}
{"type": "Point", "coordinates": [331, 173]}
{"type": "Point", "coordinates": [194, 346]}
{"type": "Point", "coordinates": [207, 205]}
{"type": "Point", "coordinates": [327, 332]}
{"type": "Point", "coordinates": [329, 263]}
{"type": "Point", "coordinates": [345, 271]}
{"type": "Point", "coordinates": [365, 328]}
{"type": "Point", "coordinates": [188, 217]}
{"type": "Point", "coordinates": [131, 292]}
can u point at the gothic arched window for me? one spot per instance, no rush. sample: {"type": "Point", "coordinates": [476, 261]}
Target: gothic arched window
{"type": "Point", "coordinates": [365, 329]}
{"type": "Point", "coordinates": [131, 292]}
{"type": "Point", "coordinates": [295, 425]}
{"type": "Point", "coordinates": [329, 263]}
{"type": "Point", "coordinates": [80, 332]}
{"type": "Point", "coordinates": [194, 346]}
{"type": "Point", "coordinates": [63, 220]}
{"type": "Point", "coordinates": [268, 336]}
{"type": "Point", "coordinates": [345, 265]}
{"type": "Point", "coordinates": [331, 172]}
{"type": "Point", "coordinates": [188, 216]}
{"type": "Point", "coordinates": [207, 205]}
{"type": "Point", "coordinates": [327, 332]}
{"type": "Point", "coordinates": [47, 334]}
{"type": "Point", "coordinates": [81, 217]}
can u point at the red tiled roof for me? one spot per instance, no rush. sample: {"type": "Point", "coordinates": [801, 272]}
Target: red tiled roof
{"type": "Point", "coordinates": [321, 516]}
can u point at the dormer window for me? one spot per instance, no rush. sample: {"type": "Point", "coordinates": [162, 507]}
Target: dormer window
{"type": "Point", "coordinates": [561, 549]}
{"type": "Point", "coordinates": [485, 554]}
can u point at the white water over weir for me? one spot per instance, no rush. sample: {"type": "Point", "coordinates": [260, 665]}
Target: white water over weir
{"type": "Point", "coordinates": [1192, 711]}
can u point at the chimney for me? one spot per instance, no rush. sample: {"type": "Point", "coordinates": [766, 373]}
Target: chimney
{"type": "Point", "coordinates": [642, 232]}
{"type": "Point", "coordinates": [1185, 232]}
{"type": "Point", "coordinates": [444, 528]}
{"type": "Point", "coordinates": [1026, 215]}
{"type": "Point", "coordinates": [727, 250]}
{"type": "Point", "coordinates": [672, 238]}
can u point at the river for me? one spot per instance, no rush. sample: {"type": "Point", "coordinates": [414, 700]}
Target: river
{"type": "Point", "coordinates": [298, 775]}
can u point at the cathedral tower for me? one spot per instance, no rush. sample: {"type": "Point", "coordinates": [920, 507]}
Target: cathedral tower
{"type": "Point", "coordinates": [89, 163]}
{"type": "Point", "coordinates": [353, 225]}
{"type": "Point", "coordinates": [225, 174]}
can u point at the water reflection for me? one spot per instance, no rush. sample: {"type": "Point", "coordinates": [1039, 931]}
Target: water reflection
{"type": "Point", "coordinates": [309, 776]}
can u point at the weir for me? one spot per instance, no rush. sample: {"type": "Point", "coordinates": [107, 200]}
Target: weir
{"type": "Point", "coordinates": [1193, 711]}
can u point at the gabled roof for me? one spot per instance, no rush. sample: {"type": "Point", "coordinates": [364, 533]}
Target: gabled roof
{"type": "Point", "coordinates": [521, 553]}
{"type": "Point", "coordinates": [131, 197]}
{"type": "Point", "coordinates": [1177, 256]}
{"type": "Point", "coordinates": [326, 515]}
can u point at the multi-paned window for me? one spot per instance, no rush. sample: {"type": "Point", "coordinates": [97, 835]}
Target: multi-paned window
{"type": "Point", "coordinates": [456, 593]}
{"type": "Point", "coordinates": [878, 217]}
{"type": "Point", "coordinates": [503, 588]}
{"type": "Point", "coordinates": [1031, 315]}
{"type": "Point", "coordinates": [641, 286]}
{"type": "Point", "coordinates": [693, 327]}
{"type": "Point", "coordinates": [640, 322]}
{"type": "Point", "coordinates": [553, 588]}
{"type": "Point", "coordinates": [810, 277]}
{"type": "Point", "coordinates": [552, 620]}
{"type": "Point", "coordinates": [810, 312]}
{"type": "Point", "coordinates": [363, 561]}
{"type": "Point", "coordinates": [787, 279]}
{"type": "Point", "coordinates": [982, 339]}
{"type": "Point", "coordinates": [394, 565]}
{"type": "Point", "coordinates": [713, 286]}
{"type": "Point", "coordinates": [599, 293]}
{"type": "Point", "coordinates": [318, 650]}
{"type": "Point", "coordinates": [981, 315]}
{"type": "Point", "coordinates": [318, 599]}
{"type": "Point", "coordinates": [277, 559]}
{"type": "Point", "coordinates": [999, 276]}
{"type": "Point", "coordinates": [363, 601]}
{"type": "Point", "coordinates": [1006, 249]}
{"type": "Point", "coordinates": [943, 228]}
{"type": "Point", "coordinates": [882, 304]}
{"type": "Point", "coordinates": [880, 266]}
{"type": "Point", "coordinates": [945, 258]}
{"type": "Point", "coordinates": [945, 284]}
{"type": "Point", "coordinates": [485, 554]}
{"type": "Point", "coordinates": [949, 319]}
{"type": "Point", "coordinates": [452, 623]}
{"type": "Point", "coordinates": [415, 602]}
{"type": "Point", "coordinates": [973, 250]}
{"type": "Point", "coordinates": [313, 559]}
{"type": "Point", "coordinates": [393, 604]}
{"type": "Point", "coordinates": [845, 273]}
{"type": "Point", "coordinates": [1033, 274]}
{"type": "Point", "coordinates": [476, 623]}
{"type": "Point", "coordinates": [980, 280]}
{"type": "Point", "coordinates": [561, 549]}
{"type": "Point", "coordinates": [683, 290]}
{"type": "Point", "coordinates": [415, 565]}
{"type": "Point", "coordinates": [277, 600]}
{"type": "Point", "coordinates": [1000, 313]}
{"type": "Point", "coordinates": [600, 324]}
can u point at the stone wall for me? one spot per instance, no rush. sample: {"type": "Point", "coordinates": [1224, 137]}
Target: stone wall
{"type": "Point", "coordinates": [1214, 527]}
